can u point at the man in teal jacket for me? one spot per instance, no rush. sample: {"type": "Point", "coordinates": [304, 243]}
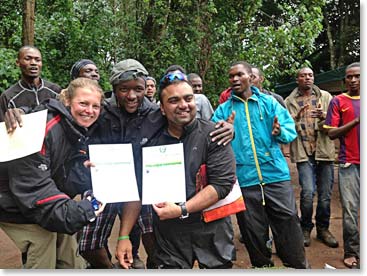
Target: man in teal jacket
{"type": "Point", "coordinates": [261, 123]}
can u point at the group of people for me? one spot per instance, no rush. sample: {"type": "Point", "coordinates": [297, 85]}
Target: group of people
{"type": "Point", "coordinates": [46, 197]}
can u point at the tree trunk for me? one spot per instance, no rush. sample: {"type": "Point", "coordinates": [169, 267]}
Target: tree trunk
{"type": "Point", "coordinates": [344, 23]}
{"type": "Point", "coordinates": [28, 22]}
{"type": "Point", "coordinates": [205, 43]}
{"type": "Point", "coordinates": [331, 44]}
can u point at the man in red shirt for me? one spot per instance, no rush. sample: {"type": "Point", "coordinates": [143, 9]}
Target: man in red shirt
{"type": "Point", "coordinates": [343, 122]}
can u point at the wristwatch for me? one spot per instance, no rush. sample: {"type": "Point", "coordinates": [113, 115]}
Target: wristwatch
{"type": "Point", "coordinates": [184, 213]}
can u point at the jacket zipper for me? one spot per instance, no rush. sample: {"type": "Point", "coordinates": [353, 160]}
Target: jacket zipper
{"type": "Point", "coordinates": [254, 149]}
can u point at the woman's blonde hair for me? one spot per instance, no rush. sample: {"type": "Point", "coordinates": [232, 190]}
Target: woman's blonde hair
{"type": "Point", "coordinates": [66, 95]}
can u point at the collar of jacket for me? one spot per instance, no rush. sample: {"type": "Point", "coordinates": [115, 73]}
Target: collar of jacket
{"type": "Point", "coordinates": [111, 108]}
{"type": "Point", "coordinates": [186, 129]}
{"type": "Point", "coordinates": [25, 85]}
{"type": "Point", "coordinates": [315, 90]}
{"type": "Point", "coordinates": [255, 94]}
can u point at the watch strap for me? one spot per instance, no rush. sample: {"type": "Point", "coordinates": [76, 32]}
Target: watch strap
{"type": "Point", "coordinates": [184, 213]}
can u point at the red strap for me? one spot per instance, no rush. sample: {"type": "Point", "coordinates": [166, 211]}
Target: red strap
{"type": "Point", "coordinates": [49, 125]}
{"type": "Point", "coordinates": [50, 198]}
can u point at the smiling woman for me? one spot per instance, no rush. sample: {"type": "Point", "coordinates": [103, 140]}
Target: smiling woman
{"type": "Point", "coordinates": [84, 97]}
{"type": "Point", "coordinates": [42, 194]}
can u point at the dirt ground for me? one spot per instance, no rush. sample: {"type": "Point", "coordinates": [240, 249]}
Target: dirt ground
{"type": "Point", "coordinates": [318, 254]}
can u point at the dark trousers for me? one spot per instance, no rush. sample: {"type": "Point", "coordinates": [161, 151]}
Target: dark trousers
{"type": "Point", "coordinates": [180, 242]}
{"type": "Point", "coordinates": [280, 213]}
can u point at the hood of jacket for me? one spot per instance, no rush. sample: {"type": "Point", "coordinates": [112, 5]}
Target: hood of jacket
{"type": "Point", "coordinates": [75, 132]}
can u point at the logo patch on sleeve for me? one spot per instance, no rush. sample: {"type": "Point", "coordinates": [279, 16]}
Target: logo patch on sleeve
{"type": "Point", "coordinates": [43, 167]}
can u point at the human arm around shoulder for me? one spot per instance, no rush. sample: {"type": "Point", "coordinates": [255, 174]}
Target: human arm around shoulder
{"type": "Point", "coordinates": [224, 132]}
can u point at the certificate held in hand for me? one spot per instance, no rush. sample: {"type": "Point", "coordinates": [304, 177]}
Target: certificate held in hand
{"type": "Point", "coordinates": [164, 174]}
{"type": "Point", "coordinates": [113, 177]}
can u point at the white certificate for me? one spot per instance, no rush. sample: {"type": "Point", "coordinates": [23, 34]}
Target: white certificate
{"type": "Point", "coordinates": [113, 177]}
{"type": "Point", "coordinates": [24, 140]}
{"type": "Point", "coordinates": [163, 174]}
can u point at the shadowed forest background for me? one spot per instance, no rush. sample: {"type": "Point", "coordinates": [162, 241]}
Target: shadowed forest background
{"type": "Point", "coordinates": [205, 36]}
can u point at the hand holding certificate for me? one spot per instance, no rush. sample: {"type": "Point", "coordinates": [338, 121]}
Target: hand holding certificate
{"type": "Point", "coordinates": [24, 140]}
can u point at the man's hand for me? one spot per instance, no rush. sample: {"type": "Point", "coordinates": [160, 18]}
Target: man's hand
{"type": "Point", "coordinates": [276, 127]}
{"type": "Point", "coordinates": [88, 164]}
{"type": "Point", "coordinates": [12, 118]}
{"type": "Point", "coordinates": [124, 253]}
{"type": "Point", "coordinates": [302, 111]}
{"type": "Point", "coordinates": [231, 117]}
{"type": "Point", "coordinates": [225, 131]}
{"type": "Point", "coordinates": [318, 112]}
{"type": "Point", "coordinates": [167, 210]}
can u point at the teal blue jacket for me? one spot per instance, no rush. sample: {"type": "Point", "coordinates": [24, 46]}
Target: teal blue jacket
{"type": "Point", "coordinates": [259, 159]}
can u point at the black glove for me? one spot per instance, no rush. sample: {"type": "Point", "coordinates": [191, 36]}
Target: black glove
{"type": "Point", "coordinates": [88, 195]}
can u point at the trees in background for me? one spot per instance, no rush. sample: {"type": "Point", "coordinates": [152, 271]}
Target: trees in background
{"type": "Point", "coordinates": [339, 41]}
{"type": "Point", "coordinates": [203, 36]}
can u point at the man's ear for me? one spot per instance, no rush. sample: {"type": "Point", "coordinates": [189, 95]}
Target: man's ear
{"type": "Point", "coordinates": [17, 62]}
{"type": "Point", "coordinates": [162, 109]}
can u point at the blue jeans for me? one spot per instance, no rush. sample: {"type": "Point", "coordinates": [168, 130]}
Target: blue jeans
{"type": "Point", "coordinates": [315, 176]}
{"type": "Point", "coordinates": [349, 190]}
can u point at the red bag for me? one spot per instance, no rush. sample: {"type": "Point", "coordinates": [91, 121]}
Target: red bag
{"type": "Point", "coordinates": [231, 204]}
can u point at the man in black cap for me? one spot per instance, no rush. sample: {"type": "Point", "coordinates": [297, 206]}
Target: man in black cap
{"type": "Point", "coordinates": [129, 80]}
{"type": "Point", "coordinates": [85, 68]}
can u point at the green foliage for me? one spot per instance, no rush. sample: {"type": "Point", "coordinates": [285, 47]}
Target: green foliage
{"type": "Point", "coordinates": [203, 36]}
{"type": "Point", "coordinates": [9, 72]}
{"type": "Point", "coordinates": [283, 47]}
